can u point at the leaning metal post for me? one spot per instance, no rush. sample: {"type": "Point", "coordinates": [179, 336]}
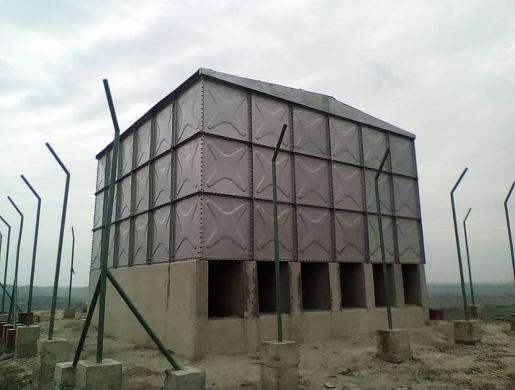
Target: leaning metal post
{"type": "Point", "coordinates": [8, 295]}
{"type": "Point", "coordinates": [60, 245]}
{"type": "Point", "coordinates": [381, 240]}
{"type": "Point", "coordinates": [34, 248]}
{"type": "Point", "coordinates": [71, 268]}
{"type": "Point", "coordinates": [276, 240]}
{"type": "Point", "coordinates": [509, 228]}
{"type": "Point", "coordinates": [468, 257]}
{"type": "Point", "coordinates": [6, 261]}
{"type": "Point", "coordinates": [16, 267]}
{"type": "Point", "coordinates": [456, 233]}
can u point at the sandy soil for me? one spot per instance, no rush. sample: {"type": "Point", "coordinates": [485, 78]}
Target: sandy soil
{"type": "Point", "coordinates": [346, 363]}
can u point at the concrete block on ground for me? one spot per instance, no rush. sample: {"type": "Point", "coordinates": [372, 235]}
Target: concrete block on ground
{"type": "Point", "coordinates": [467, 332]}
{"type": "Point", "coordinates": [4, 317]}
{"type": "Point", "coordinates": [64, 376]}
{"type": "Point", "coordinates": [512, 321]}
{"type": "Point", "coordinates": [474, 311]}
{"type": "Point", "coordinates": [2, 323]}
{"type": "Point", "coordinates": [5, 328]}
{"type": "Point", "coordinates": [187, 378]}
{"type": "Point", "coordinates": [393, 345]}
{"type": "Point", "coordinates": [99, 376]}
{"type": "Point", "coordinates": [50, 352]}
{"type": "Point", "coordinates": [23, 317]}
{"type": "Point", "coordinates": [26, 343]}
{"type": "Point", "coordinates": [11, 338]}
{"type": "Point", "coordinates": [279, 365]}
{"type": "Point", "coordinates": [69, 313]}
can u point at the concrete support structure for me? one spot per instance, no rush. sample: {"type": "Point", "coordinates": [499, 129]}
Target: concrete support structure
{"type": "Point", "coordinates": [99, 376]}
{"type": "Point", "coordinates": [5, 329]}
{"type": "Point", "coordinates": [474, 311]}
{"type": "Point", "coordinates": [279, 365]}
{"type": "Point", "coordinates": [26, 343]}
{"type": "Point", "coordinates": [393, 345]}
{"type": "Point", "coordinates": [512, 321]}
{"type": "Point", "coordinates": [10, 338]}
{"type": "Point", "coordinates": [4, 317]}
{"type": "Point", "coordinates": [69, 313]}
{"type": "Point", "coordinates": [23, 317]}
{"type": "Point", "coordinates": [64, 377]}
{"type": "Point", "coordinates": [50, 352]}
{"type": "Point", "coordinates": [187, 378]}
{"type": "Point", "coordinates": [467, 332]}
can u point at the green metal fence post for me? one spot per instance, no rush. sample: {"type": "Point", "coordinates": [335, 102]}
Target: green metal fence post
{"type": "Point", "coordinates": [468, 257]}
{"type": "Point", "coordinates": [508, 224]}
{"type": "Point", "coordinates": [381, 240]}
{"type": "Point", "coordinates": [60, 245]}
{"type": "Point", "coordinates": [71, 268]}
{"type": "Point", "coordinates": [6, 261]}
{"type": "Point", "coordinates": [14, 299]}
{"type": "Point", "coordinates": [457, 234]}
{"type": "Point", "coordinates": [276, 239]}
{"type": "Point", "coordinates": [34, 248]}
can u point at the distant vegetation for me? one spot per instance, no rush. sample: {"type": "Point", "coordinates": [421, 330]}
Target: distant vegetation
{"type": "Point", "coordinates": [42, 297]}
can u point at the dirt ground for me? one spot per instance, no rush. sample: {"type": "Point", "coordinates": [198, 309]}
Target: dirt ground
{"type": "Point", "coordinates": [346, 363]}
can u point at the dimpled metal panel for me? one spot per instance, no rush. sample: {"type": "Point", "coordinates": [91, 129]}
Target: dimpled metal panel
{"type": "Point", "coordinates": [225, 111]}
{"type": "Point", "coordinates": [314, 233]}
{"type": "Point", "coordinates": [226, 167]}
{"type": "Point", "coordinates": [161, 249]}
{"type": "Point", "coordinates": [268, 118]}
{"type": "Point", "coordinates": [263, 175]}
{"type": "Point", "coordinates": [264, 230]}
{"type": "Point", "coordinates": [162, 177]}
{"type": "Point", "coordinates": [189, 112]}
{"type": "Point", "coordinates": [141, 190]}
{"type": "Point", "coordinates": [99, 209]}
{"type": "Point", "coordinates": [164, 121]}
{"type": "Point", "coordinates": [374, 148]}
{"type": "Point", "coordinates": [384, 192]}
{"type": "Point", "coordinates": [347, 187]}
{"type": "Point", "coordinates": [95, 255]}
{"type": "Point", "coordinates": [312, 181]}
{"type": "Point", "coordinates": [226, 227]}
{"type": "Point", "coordinates": [188, 168]}
{"type": "Point", "coordinates": [125, 197]}
{"type": "Point", "coordinates": [126, 147]}
{"type": "Point", "coordinates": [187, 227]}
{"type": "Point", "coordinates": [140, 239]}
{"type": "Point", "coordinates": [110, 254]}
{"type": "Point", "coordinates": [123, 243]}
{"type": "Point", "coordinates": [101, 172]}
{"type": "Point", "coordinates": [350, 236]}
{"type": "Point", "coordinates": [405, 191]}
{"type": "Point", "coordinates": [310, 134]}
{"type": "Point", "coordinates": [374, 242]}
{"type": "Point", "coordinates": [408, 231]}
{"type": "Point", "coordinates": [402, 155]}
{"type": "Point", "coordinates": [344, 141]}
{"type": "Point", "coordinates": [143, 143]}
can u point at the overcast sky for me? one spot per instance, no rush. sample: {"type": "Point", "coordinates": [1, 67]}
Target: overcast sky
{"type": "Point", "coordinates": [440, 69]}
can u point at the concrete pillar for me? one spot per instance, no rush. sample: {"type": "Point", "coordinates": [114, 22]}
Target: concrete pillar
{"type": "Point", "coordinates": [4, 317]}
{"type": "Point", "coordinates": [512, 321]}
{"type": "Point", "coordinates": [187, 378]}
{"type": "Point", "coordinates": [64, 376]}
{"type": "Point", "coordinates": [279, 365]}
{"type": "Point", "coordinates": [50, 352]}
{"type": "Point", "coordinates": [295, 301]}
{"type": "Point", "coordinates": [467, 332]}
{"type": "Point", "coordinates": [10, 338]}
{"type": "Point", "coordinates": [393, 345]}
{"type": "Point", "coordinates": [250, 306]}
{"type": "Point", "coordinates": [398, 286]}
{"type": "Point", "coordinates": [335, 287]}
{"type": "Point", "coordinates": [474, 311]}
{"type": "Point", "coordinates": [99, 376]}
{"type": "Point", "coordinates": [423, 292]}
{"type": "Point", "coordinates": [69, 313]}
{"type": "Point", "coordinates": [5, 328]}
{"type": "Point", "coordinates": [200, 338]}
{"type": "Point", "coordinates": [369, 286]}
{"type": "Point", "coordinates": [26, 343]}
{"type": "Point", "coordinates": [26, 318]}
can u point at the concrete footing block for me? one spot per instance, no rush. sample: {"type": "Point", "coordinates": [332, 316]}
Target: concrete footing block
{"type": "Point", "coordinates": [393, 345]}
{"type": "Point", "coordinates": [26, 343]}
{"type": "Point", "coordinates": [50, 352]}
{"type": "Point", "coordinates": [10, 338]}
{"type": "Point", "coordinates": [279, 365]}
{"type": "Point", "coordinates": [5, 328]}
{"type": "Point", "coordinates": [187, 378]}
{"type": "Point", "coordinates": [512, 321]}
{"type": "Point", "coordinates": [26, 318]}
{"type": "Point", "coordinates": [99, 376]}
{"type": "Point", "coordinates": [4, 317]}
{"type": "Point", "coordinates": [64, 376]}
{"type": "Point", "coordinates": [69, 313]}
{"type": "Point", "coordinates": [474, 311]}
{"type": "Point", "coordinates": [467, 332]}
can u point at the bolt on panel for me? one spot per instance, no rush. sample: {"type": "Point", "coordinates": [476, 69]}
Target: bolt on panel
{"type": "Point", "coordinates": [164, 123]}
{"type": "Point", "coordinates": [403, 152]}
{"type": "Point", "coordinates": [188, 168]}
{"type": "Point", "coordinates": [143, 142]}
{"type": "Point", "coordinates": [142, 190]}
{"type": "Point", "coordinates": [125, 197]}
{"type": "Point", "coordinates": [344, 141]}
{"type": "Point", "coordinates": [189, 112]}
{"type": "Point", "coordinates": [225, 227]}
{"type": "Point", "coordinates": [161, 247]}
{"type": "Point", "coordinates": [140, 239]}
{"type": "Point", "coordinates": [162, 174]}
{"type": "Point", "coordinates": [405, 190]}
{"type": "Point", "coordinates": [312, 181]}
{"type": "Point", "coordinates": [350, 236]}
{"type": "Point", "coordinates": [374, 148]}
{"type": "Point", "coordinates": [410, 249]}
{"type": "Point", "coordinates": [95, 255]}
{"type": "Point", "coordinates": [384, 192]}
{"type": "Point", "coordinates": [314, 233]}
{"type": "Point", "coordinates": [268, 117]}
{"type": "Point", "coordinates": [187, 227]}
{"type": "Point", "coordinates": [347, 187]}
{"type": "Point", "coordinates": [374, 242]}
{"type": "Point", "coordinates": [310, 132]}
{"type": "Point", "coordinates": [264, 230]}
{"type": "Point", "coordinates": [225, 111]}
{"type": "Point", "coordinates": [126, 149]}
{"type": "Point", "coordinates": [225, 167]}
{"type": "Point", "coordinates": [123, 236]}
{"type": "Point", "coordinates": [263, 174]}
